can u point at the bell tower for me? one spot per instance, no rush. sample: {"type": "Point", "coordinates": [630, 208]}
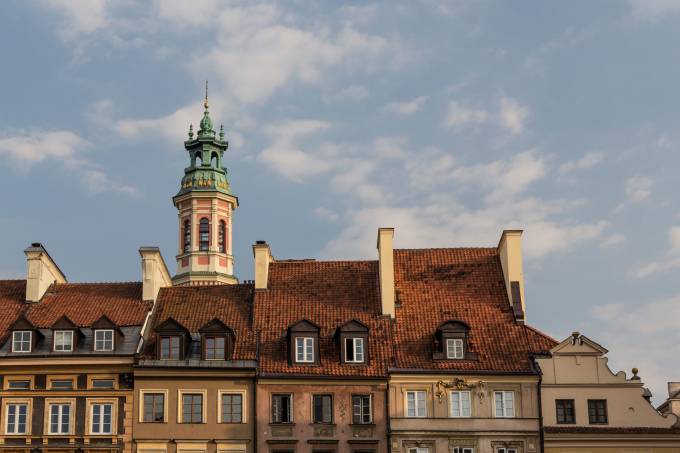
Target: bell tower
{"type": "Point", "coordinates": [205, 207]}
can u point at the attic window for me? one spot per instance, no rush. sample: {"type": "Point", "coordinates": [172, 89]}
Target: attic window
{"type": "Point", "coordinates": [103, 340]}
{"type": "Point", "coordinates": [214, 347]}
{"type": "Point", "coordinates": [454, 348]}
{"type": "Point", "coordinates": [304, 349]}
{"type": "Point", "coordinates": [21, 341]}
{"type": "Point", "coordinates": [303, 343]}
{"type": "Point", "coordinates": [354, 350]}
{"type": "Point", "coordinates": [169, 347]}
{"type": "Point", "coordinates": [451, 341]}
{"type": "Point", "coordinates": [63, 341]}
{"type": "Point", "coordinates": [353, 342]}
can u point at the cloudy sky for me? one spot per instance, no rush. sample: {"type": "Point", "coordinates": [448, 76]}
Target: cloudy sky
{"type": "Point", "coordinates": [448, 120]}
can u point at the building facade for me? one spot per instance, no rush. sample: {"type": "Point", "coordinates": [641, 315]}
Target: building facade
{"type": "Point", "coordinates": [586, 407]}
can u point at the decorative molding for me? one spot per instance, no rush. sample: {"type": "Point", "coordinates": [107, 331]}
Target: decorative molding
{"type": "Point", "coordinates": [461, 384]}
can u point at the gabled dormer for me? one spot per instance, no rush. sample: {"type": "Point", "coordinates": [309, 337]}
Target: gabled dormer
{"type": "Point", "coordinates": [352, 338]}
{"type": "Point", "coordinates": [172, 340]}
{"type": "Point", "coordinates": [106, 335]}
{"type": "Point", "coordinates": [303, 343]}
{"type": "Point", "coordinates": [24, 336]}
{"type": "Point", "coordinates": [217, 341]}
{"type": "Point", "coordinates": [66, 336]}
{"type": "Point", "coordinates": [451, 341]}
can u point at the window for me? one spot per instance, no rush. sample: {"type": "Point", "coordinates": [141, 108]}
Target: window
{"type": "Point", "coordinates": [192, 408]}
{"type": "Point", "coordinates": [60, 418]}
{"type": "Point", "coordinates": [214, 348]}
{"type": "Point", "coordinates": [463, 450]}
{"type": "Point", "coordinates": [232, 408]}
{"type": "Point", "coordinates": [19, 385]}
{"type": "Point", "coordinates": [16, 418]}
{"type": "Point", "coordinates": [61, 384]}
{"type": "Point", "coordinates": [102, 384]}
{"type": "Point", "coordinates": [21, 341]}
{"type": "Point", "coordinates": [454, 348]}
{"type": "Point", "coordinates": [505, 404]}
{"type": "Point", "coordinates": [170, 348]}
{"type": "Point", "coordinates": [361, 409]}
{"type": "Point", "coordinates": [222, 237]}
{"type": "Point", "coordinates": [282, 406]}
{"type": "Point", "coordinates": [415, 404]}
{"type": "Point", "coordinates": [203, 235]}
{"type": "Point", "coordinates": [103, 340]}
{"type": "Point", "coordinates": [565, 411]}
{"type": "Point", "coordinates": [304, 347]}
{"type": "Point", "coordinates": [460, 404]}
{"type": "Point", "coordinates": [63, 340]}
{"type": "Point", "coordinates": [354, 350]}
{"type": "Point", "coordinates": [102, 418]}
{"type": "Point", "coordinates": [154, 407]}
{"type": "Point", "coordinates": [597, 411]}
{"type": "Point", "coordinates": [505, 450]}
{"type": "Point", "coordinates": [187, 236]}
{"type": "Point", "coordinates": [322, 409]}
{"type": "Point", "coordinates": [418, 450]}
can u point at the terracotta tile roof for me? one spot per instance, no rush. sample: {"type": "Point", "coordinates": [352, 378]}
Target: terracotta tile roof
{"type": "Point", "coordinates": [609, 430]}
{"type": "Point", "coordinates": [327, 293]}
{"type": "Point", "coordinates": [466, 284]}
{"type": "Point", "coordinates": [195, 306]}
{"type": "Point", "coordinates": [83, 303]}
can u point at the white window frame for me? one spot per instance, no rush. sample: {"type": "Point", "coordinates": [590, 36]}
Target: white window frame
{"type": "Point", "coordinates": [460, 406]}
{"type": "Point", "coordinates": [50, 405]}
{"type": "Point", "coordinates": [180, 405]}
{"type": "Point", "coordinates": [63, 334]}
{"type": "Point", "coordinates": [29, 417]}
{"type": "Point", "coordinates": [419, 450]}
{"type": "Point", "coordinates": [307, 355]}
{"type": "Point", "coordinates": [416, 412]}
{"type": "Point", "coordinates": [504, 412]}
{"type": "Point", "coordinates": [355, 341]}
{"type": "Point", "coordinates": [243, 394]}
{"type": "Point", "coordinates": [22, 341]}
{"type": "Point", "coordinates": [455, 348]}
{"type": "Point", "coordinates": [143, 392]}
{"type": "Point", "coordinates": [91, 413]}
{"type": "Point", "coordinates": [463, 450]}
{"type": "Point", "coordinates": [113, 340]}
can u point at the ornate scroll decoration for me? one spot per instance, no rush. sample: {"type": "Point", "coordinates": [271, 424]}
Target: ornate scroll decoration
{"type": "Point", "coordinates": [461, 384]}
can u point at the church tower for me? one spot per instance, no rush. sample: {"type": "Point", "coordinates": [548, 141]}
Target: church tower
{"type": "Point", "coordinates": [205, 207]}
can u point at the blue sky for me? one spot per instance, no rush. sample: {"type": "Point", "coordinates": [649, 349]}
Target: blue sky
{"type": "Point", "coordinates": [448, 120]}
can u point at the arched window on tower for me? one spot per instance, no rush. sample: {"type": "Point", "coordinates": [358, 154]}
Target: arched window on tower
{"type": "Point", "coordinates": [214, 161]}
{"type": "Point", "coordinates": [222, 237]}
{"type": "Point", "coordinates": [199, 159]}
{"type": "Point", "coordinates": [187, 236]}
{"type": "Point", "coordinates": [204, 235]}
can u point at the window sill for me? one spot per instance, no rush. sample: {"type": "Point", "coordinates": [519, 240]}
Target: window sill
{"type": "Point", "coordinates": [362, 424]}
{"type": "Point", "coordinates": [322, 424]}
{"type": "Point", "coordinates": [282, 424]}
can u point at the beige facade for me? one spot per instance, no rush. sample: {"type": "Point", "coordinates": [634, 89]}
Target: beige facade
{"type": "Point", "coordinates": [447, 427]}
{"type": "Point", "coordinates": [167, 427]}
{"type": "Point", "coordinates": [588, 408]}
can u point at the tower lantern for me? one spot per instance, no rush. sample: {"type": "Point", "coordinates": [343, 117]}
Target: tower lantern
{"type": "Point", "coordinates": [205, 207]}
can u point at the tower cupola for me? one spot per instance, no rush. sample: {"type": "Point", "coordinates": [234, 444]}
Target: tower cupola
{"type": "Point", "coordinates": [205, 206]}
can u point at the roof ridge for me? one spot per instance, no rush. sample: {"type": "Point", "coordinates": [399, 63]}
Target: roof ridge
{"type": "Point", "coordinates": [447, 248]}
{"type": "Point", "coordinates": [131, 282]}
{"type": "Point", "coordinates": [543, 334]}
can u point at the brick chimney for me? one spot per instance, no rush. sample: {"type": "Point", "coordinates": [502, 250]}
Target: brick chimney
{"type": "Point", "coordinates": [155, 273]}
{"type": "Point", "coordinates": [263, 257]}
{"type": "Point", "coordinates": [386, 270]}
{"type": "Point", "coordinates": [42, 272]}
{"type": "Point", "coordinates": [510, 252]}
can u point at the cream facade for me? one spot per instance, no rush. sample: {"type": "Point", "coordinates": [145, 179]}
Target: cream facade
{"type": "Point", "coordinates": [588, 408]}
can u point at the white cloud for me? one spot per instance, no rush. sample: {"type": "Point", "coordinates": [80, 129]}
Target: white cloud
{"type": "Point", "coordinates": [653, 9]}
{"type": "Point", "coordinates": [80, 16]}
{"type": "Point", "coordinates": [668, 261]}
{"type": "Point", "coordinates": [407, 107]}
{"type": "Point", "coordinates": [513, 115]}
{"type": "Point", "coordinates": [589, 160]}
{"type": "Point", "coordinates": [326, 214]}
{"type": "Point", "coordinates": [638, 188]}
{"type": "Point", "coordinates": [96, 181]}
{"type": "Point", "coordinates": [613, 240]}
{"type": "Point", "coordinates": [459, 116]}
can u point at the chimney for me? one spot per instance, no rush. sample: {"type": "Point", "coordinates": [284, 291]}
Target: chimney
{"type": "Point", "coordinates": [386, 270]}
{"type": "Point", "coordinates": [263, 256]}
{"type": "Point", "coordinates": [155, 273]}
{"type": "Point", "coordinates": [42, 272]}
{"type": "Point", "coordinates": [510, 251]}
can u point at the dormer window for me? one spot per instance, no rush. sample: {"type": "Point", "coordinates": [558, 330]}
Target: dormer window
{"type": "Point", "coordinates": [451, 342]}
{"type": "Point", "coordinates": [217, 340]}
{"type": "Point", "coordinates": [170, 347]}
{"type": "Point", "coordinates": [304, 349]}
{"type": "Point", "coordinates": [353, 342]}
{"type": "Point", "coordinates": [103, 340]}
{"type": "Point", "coordinates": [454, 348]}
{"type": "Point", "coordinates": [214, 348]}
{"type": "Point", "coordinates": [63, 341]}
{"type": "Point", "coordinates": [21, 340]}
{"type": "Point", "coordinates": [354, 350]}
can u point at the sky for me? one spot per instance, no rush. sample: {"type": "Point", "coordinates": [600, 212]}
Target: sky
{"type": "Point", "coordinates": [449, 121]}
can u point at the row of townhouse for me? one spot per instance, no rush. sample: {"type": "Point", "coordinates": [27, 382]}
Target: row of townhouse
{"type": "Point", "coordinates": [417, 351]}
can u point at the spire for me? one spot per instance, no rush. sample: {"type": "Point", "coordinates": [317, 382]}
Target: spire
{"type": "Point", "coordinates": [206, 126]}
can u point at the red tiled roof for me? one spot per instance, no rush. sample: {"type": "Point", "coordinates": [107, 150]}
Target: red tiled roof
{"type": "Point", "coordinates": [327, 293]}
{"type": "Point", "coordinates": [83, 303]}
{"type": "Point", "coordinates": [609, 430]}
{"type": "Point", "coordinates": [466, 284]}
{"type": "Point", "coordinates": [195, 306]}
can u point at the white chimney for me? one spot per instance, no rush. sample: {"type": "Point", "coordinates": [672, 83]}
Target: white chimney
{"type": "Point", "coordinates": [510, 251]}
{"type": "Point", "coordinates": [42, 272]}
{"type": "Point", "coordinates": [263, 257]}
{"type": "Point", "coordinates": [386, 270]}
{"type": "Point", "coordinates": [155, 273]}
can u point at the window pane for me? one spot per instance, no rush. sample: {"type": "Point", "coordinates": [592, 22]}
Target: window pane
{"type": "Point", "coordinates": [411, 404]}
{"type": "Point", "coordinates": [232, 408]}
{"type": "Point", "coordinates": [359, 349]}
{"type": "Point", "coordinates": [19, 385]}
{"type": "Point", "coordinates": [421, 412]}
{"type": "Point", "coordinates": [455, 404]}
{"type": "Point", "coordinates": [465, 404]}
{"type": "Point", "coordinates": [498, 396]}
{"type": "Point", "coordinates": [349, 349]}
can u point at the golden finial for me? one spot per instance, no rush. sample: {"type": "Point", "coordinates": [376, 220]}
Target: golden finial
{"type": "Point", "coordinates": [205, 104]}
